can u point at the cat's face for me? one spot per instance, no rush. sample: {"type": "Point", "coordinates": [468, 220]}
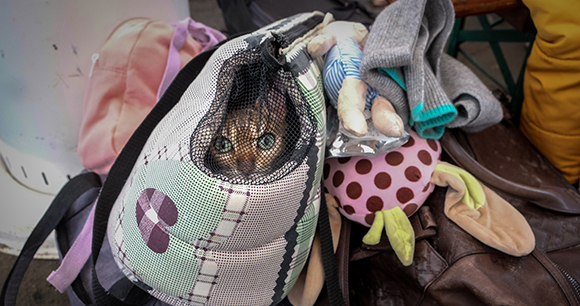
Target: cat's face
{"type": "Point", "coordinates": [250, 141]}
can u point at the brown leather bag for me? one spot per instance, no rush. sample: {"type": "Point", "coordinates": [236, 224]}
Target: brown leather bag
{"type": "Point", "coordinates": [451, 267]}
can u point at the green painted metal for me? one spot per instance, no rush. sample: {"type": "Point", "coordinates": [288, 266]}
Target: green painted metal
{"type": "Point", "coordinates": [497, 52]}
{"type": "Point", "coordinates": [494, 37]}
{"type": "Point", "coordinates": [488, 74]}
{"type": "Point", "coordinates": [515, 106]}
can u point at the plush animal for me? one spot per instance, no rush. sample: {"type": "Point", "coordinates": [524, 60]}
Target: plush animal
{"type": "Point", "coordinates": [343, 41]}
{"type": "Point", "coordinates": [381, 191]}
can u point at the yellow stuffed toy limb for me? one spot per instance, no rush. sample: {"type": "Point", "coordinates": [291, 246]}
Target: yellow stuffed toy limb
{"type": "Point", "coordinates": [474, 196]}
{"type": "Point", "coordinates": [385, 118]}
{"type": "Point", "coordinates": [399, 231]}
{"type": "Point", "coordinates": [320, 44]}
{"type": "Point", "coordinates": [373, 236]}
{"type": "Point", "coordinates": [332, 31]}
{"type": "Point", "coordinates": [472, 206]}
{"type": "Point", "coordinates": [483, 213]}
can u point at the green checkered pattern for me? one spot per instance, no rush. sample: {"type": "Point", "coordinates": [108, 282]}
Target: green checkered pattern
{"type": "Point", "coordinates": [306, 229]}
{"type": "Point", "coordinates": [310, 84]}
{"type": "Point", "coordinates": [312, 87]}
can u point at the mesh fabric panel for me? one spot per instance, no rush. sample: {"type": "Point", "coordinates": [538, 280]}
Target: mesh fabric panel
{"type": "Point", "coordinates": [259, 127]}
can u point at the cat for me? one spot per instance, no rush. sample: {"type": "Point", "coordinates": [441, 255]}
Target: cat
{"type": "Point", "coordinates": [250, 141]}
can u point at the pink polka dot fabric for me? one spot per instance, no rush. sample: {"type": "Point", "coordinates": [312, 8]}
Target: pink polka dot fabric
{"type": "Point", "coordinates": [363, 185]}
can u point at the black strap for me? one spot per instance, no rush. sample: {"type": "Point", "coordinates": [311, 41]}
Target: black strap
{"type": "Point", "coordinates": [122, 168]}
{"type": "Point", "coordinates": [348, 9]}
{"type": "Point", "coordinates": [51, 218]}
{"type": "Point", "coordinates": [64, 245]}
{"type": "Point", "coordinates": [328, 261]}
{"type": "Point", "coordinates": [237, 16]}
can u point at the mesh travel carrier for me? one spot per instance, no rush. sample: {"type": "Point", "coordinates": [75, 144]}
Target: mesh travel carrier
{"type": "Point", "coordinates": [221, 205]}
{"type": "Point", "coordinates": [215, 198]}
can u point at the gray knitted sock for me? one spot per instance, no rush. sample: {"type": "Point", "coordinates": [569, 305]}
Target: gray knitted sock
{"type": "Point", "coordinates": [477, 107]}
{"type": "Point", "coordinates": [431, 115]}
{"type": "Point", "coordinates": [414, 73]}
{"type": "Point", "coordinates": [441, 17]}
{"type": "Point", "coordinates": [390, 44]}
{"type": "Point", "coordinates": [429, 105]}
{"type": "Point", "coordinates": [440, 91]}
{"type": "Point", "coordinates": [411, 34]}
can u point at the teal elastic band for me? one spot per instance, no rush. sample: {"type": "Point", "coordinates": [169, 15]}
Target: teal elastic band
{"type": "Point", "coordinates": [429, 131]}
{"type": "Point", "coordinates": [430, 124]}
{"type": "Point", "coordinates": [447, 111]}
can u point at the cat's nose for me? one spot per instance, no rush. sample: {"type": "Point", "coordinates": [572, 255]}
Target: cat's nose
{"type": "Point", "coordinates": [246, 166]}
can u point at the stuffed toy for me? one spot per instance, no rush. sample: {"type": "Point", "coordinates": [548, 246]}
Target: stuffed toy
{"type": "Point", "coordinates": [381, 191]}
{"type": "Point", "coordinates": [343, 41]}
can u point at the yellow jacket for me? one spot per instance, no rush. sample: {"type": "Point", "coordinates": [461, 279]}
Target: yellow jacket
{"type": "Point", "coordinates": [551, 109]}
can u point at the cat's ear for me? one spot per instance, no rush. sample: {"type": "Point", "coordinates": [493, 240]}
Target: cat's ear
{"type": "Point", "coordinates": [275, 104]}
{"type": "Point", "coordinates": [279, 109]}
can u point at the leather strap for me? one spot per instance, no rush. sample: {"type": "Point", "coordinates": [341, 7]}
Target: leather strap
{"type": "Point", "coordinates": [343, 258]}
{"type": "Point", "coordinates": [555, 198]}
{"type": "Point", "coordinates": [335, 296]}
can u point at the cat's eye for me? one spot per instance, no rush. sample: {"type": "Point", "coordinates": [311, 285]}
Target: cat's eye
{"type": "Point", "coordinates": [222, 144]}
{"type": "Point", "coordinates": [266, 141]}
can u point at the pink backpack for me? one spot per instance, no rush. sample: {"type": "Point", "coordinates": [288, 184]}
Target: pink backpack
{"type": "Point", "coordinates": [129, 74]}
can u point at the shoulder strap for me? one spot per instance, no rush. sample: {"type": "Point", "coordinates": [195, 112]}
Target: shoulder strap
{"type": "Point", "coordinates": [335, 295]}
{"type": "Point", "coordinates": [347, 8]}
{"type": "Point", "coordinates": [51, 218]}
{"type": "Point", "coordinates": [206, 36]}
{"type": "Point", "coordinates": [237, 16]}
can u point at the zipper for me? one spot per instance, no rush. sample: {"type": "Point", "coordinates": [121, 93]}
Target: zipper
{"type": "Point", "coordinates": [568, 284]}
{"type": "Point", "coordinates": [281, 40]}
{"type": "Point", "coordinates": [300, 29]}
{"type": "Point", "coordinates": [575, 284]}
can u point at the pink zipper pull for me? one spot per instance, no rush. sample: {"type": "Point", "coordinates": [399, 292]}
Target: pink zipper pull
{"type": "Point", "coordinates": [94, 58]}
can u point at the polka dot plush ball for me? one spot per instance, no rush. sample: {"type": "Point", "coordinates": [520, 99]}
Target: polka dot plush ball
{"type": "Point", "coordinates": [363, 185]}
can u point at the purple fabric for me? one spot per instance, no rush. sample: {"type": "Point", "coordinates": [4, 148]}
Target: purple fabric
{"type": "Point", "coordinates": [206, 36]}
{"type": "Point", "coordinates": [75, 258]}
